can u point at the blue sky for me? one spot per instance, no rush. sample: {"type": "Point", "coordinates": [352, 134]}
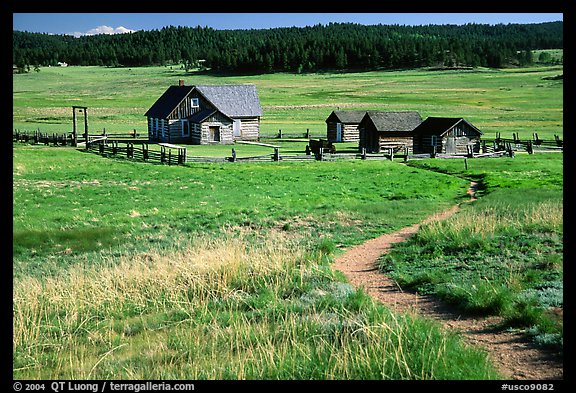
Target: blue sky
{"type": "Point", "coordinates": [93, 23]}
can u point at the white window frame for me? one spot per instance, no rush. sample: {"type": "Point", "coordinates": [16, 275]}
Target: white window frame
{"type": "Point", "coordinates": [194, 102]}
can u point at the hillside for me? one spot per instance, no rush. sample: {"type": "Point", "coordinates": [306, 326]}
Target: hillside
{"type": "Point", "coordinates": [343, 46]}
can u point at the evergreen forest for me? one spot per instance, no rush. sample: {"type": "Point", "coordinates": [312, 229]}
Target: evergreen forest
{"type": "Point", "coordinates": [335, 46]}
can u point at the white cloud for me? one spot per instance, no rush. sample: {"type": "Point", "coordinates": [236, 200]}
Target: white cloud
{"type": "Point", "coordinates": [103, 30]}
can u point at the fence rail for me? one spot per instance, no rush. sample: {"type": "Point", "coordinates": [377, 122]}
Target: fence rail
{"type": "Point", "coordinates": [176, 155]}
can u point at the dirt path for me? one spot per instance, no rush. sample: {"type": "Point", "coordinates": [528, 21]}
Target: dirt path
{"type": "Point", "coordinates": [514, 357]}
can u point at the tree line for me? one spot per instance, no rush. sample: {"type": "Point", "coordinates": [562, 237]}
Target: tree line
{"type": "Point", "coordinates": [336, 46]}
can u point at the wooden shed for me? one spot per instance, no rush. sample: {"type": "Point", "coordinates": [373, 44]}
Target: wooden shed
{"type": "Point", "coordinates": [446, 135]}
{"type": "Point", "coordinates": [343, 126]}
{"type": "Point", "coordinates": [379, 130]}
{"type": "Point", "coordinates": [205, 114]}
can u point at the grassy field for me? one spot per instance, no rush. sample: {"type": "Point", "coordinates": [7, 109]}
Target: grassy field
{"type": "Point", "coordinates": [502, 255]}
{"type": "Point", "coordinates": [128, 270]}
{"type": "Point", "coordinates": [505, 100]}
{"type": "Point", "coordinates": [132, 270]}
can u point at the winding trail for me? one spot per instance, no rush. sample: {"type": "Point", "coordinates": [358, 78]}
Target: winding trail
{"type": "Point", "coordinates": [514, 357]}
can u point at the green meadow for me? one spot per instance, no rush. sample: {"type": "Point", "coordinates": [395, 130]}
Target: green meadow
{"type": "Point", "coordinates": [133, 270]}
{"type": "Point", "coordinates": [514, 100]}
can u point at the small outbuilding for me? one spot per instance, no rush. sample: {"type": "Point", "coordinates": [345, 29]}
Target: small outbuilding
{"type": "Point", "coordinates": [380, 130]}
{"type": "Point", "coordinates": [448, 135]}
{"type": "Point", "coordinates": [343, 126]}
{"type": "Point", "coordinates": [205, 114]}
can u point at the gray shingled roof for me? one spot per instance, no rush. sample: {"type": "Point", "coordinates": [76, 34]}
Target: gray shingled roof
{"type": "Point", "coordinates": [394, 121]}
{"type": "Point", "coordinates": [233, 100]}
{"type": "Point", "coordinates": [347, 116]}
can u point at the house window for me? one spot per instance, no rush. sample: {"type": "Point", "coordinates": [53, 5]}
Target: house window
{"type": "Point", "coordinates": [433, 140]}
{"type": "Point", "coordinates": [162, 130]}
{"type": "Point", "coordinates": [185, 127]}
{"type": "Point", "coordinates": [194, 103]}
{"type": "Point", "coordinates": [156, 126]}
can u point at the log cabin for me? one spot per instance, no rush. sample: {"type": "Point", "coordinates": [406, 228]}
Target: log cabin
{"type": "Point", "coordinates": [205, 114]}
{"type": "Point", "coordinates": [447, 135]}
{"type": "Point", "coordinates": [379, 130]}
{"type": "Point", "coordinates": [343, 126]}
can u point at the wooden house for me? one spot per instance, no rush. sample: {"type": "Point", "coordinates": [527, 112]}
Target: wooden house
{"type": "Point", "coordinates": [446, 135]}
{"type": "Point", "coordinates": [379, 130]}
{"type": "Point", "coordinates": [343, 126]}
{"type": "Point", "coordinates": [204, 114]}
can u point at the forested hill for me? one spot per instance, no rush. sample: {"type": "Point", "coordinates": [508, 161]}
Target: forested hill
{"type": "Point", "coordinates": [343, 46]}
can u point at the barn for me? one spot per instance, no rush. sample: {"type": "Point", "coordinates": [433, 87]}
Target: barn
{"type": "Point", "coordinates": [205, 114]}
{"type": "Point", "coordinates": [343, 126]}
{"type": "Point", "coordinates": [380, 130]}
{"type": "Point", "coordinates": [449, 135]}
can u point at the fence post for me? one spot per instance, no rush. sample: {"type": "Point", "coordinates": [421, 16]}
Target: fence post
{"type": "Point", "coordinates": [363, 153]}
{"type": "Point", "coordinates": [307, 133]}
{"type": "Point", "coordinates": [276, 154]}
{"type": "Point", "coordinates": [280, 134]}
{"type": "Point", "coordinates": [233, 155]}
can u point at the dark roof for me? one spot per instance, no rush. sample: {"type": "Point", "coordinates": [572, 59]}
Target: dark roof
{"type": "Point", "coordinates": [441, 125]}
{"type": "Point", "coordinates": [200, 116]}
{"type": "Point", "coordinates": [347, 116]}
{"type": "Point", "coordinates": [233, 100]}
{"type": "Point", "coordinates": [168, 101]}
{"type": "Point", "coordinates": [393, 121]}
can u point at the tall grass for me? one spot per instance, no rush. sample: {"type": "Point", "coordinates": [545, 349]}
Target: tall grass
{"type": "Point", "coordinates": [223, 308]}
{"type": "Point", "coordinates": [501, 256]}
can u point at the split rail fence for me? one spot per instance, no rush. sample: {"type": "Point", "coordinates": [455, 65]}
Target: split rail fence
{"type": "Point", "coordinates": [129, 146]}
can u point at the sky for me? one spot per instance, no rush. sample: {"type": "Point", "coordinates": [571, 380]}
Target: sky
{"type": "Point", "coordinates": [78, 24]}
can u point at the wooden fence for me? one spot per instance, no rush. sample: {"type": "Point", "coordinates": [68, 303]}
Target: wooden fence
{"type": "Point", "coordinates": [39, 137]}
{"type": "Point", "coordinates": [138, 149]}
{"type": "Point", "coordinates": [67, 138]}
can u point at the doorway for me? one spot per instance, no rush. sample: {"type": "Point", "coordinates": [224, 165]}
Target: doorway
{"type": "Point", "coordinates": [214, 133]}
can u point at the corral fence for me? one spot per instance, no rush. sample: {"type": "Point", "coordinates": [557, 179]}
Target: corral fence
{"type": "Point", "coordinates": [67, 138]}
{"type": "Point", "coordinates": [529, 145]}
{"type": "Point", "coordinates": [295, 136]}
{"type": "Point", "coordinates": [129, 145]}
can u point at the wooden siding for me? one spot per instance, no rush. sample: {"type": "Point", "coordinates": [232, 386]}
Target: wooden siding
{"type": "Point", "coordinates": [454, 141]}
{"type": "Point", "coordinates": [171, 131]}
{"type": "Point", "coordinates": [249, 129]}
{"type": "Point", "coordinates": [350, 132]}
{"type": "Point", "coordinates": [158, 129]}
{"type": "Point", "coordinates": [201, 133]}
{"type": "Point", "coordinates": [185, 108]}
{"type": "Point", "coordinates": [373, 140]}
